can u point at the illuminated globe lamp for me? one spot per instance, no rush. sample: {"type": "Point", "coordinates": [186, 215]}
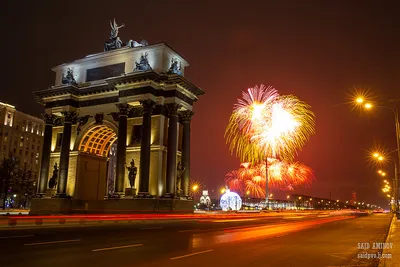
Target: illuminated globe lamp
{"type": "Point", "coordinates": [230, 201]}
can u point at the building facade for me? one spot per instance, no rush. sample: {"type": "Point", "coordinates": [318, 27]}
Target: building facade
{"type": "Point", "coordinates": [21, 135]}
{"type": "Point", "coordinates": [118, 124]}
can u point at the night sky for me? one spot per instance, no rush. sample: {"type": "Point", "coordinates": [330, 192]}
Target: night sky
{"type": "Point", "coordinates": [317, 51]}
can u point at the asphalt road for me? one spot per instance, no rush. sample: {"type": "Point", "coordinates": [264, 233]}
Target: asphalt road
{"type": "Point", "coordinates": [273, 241]}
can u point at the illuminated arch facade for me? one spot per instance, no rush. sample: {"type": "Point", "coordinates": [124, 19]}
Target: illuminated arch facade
{"type": "Point", "coordinates": [109, 98]}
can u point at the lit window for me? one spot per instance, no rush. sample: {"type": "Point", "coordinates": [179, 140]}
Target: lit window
{"type": "Point", "coordinates": [37, 155]}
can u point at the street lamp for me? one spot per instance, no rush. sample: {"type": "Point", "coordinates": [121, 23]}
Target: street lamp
{"type": "Point", "coordinates": [378, 156]}
{"type": "Point", "coordinates": [360, 100]}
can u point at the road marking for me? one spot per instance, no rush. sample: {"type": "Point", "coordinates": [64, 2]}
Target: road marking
{"type": "Point", "coordinates": [15, 236]}
{"type": "Point", "coordinates": [336, 256]}
{"type": "Point", "coordinates": [189, 230]}
{"type": "Point", "coordinates": [111, 248]}
{"type": "Point", "coordinates": [149, 228]}
{"type": "Point", "coordinates": [191, 254]}
{"type": "Point", "coordinates": [232, 220]}
{"type": "Point", "coordinates": [52, 242]}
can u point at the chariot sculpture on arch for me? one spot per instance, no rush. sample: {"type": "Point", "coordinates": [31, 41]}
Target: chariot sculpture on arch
{"type": "Point", "coordinates": [115, 42]}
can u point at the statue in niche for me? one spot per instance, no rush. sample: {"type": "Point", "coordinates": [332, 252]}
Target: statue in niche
{"type": "Point", "coordinates": [114, 42]}
{"type": "Point", "coordinates": [69, 78]}
{"type": "Point", "coordinates": [132, 173]}
{"type": "Point", "coordinates": [53, 179]}
{"type": "Point", "coordinates": [143, 63]}
{"type": "Point", "coordinates": [179, 172]}
{"type": "Point", "coordinates": [175, 69]}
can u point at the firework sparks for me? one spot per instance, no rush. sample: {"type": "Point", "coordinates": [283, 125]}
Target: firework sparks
{"type": "Point", "coordinates": [264, 124]}
{"type": "Point", "coordinates": [282, 175]}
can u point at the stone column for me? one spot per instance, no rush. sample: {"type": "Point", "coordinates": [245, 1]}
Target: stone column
{"type": "Point", "coordinates": [69, 118]}
{"type": "Point", "coordinates": [45, 163]}
{"type": "Point", "coordinates": [186, 117]}
{"type": "Point", "coordinates": [121, 148]}
{"type": "Point", "coordinates": [144, 172]}
{"type": "Point", "coordinates": [172, 147]}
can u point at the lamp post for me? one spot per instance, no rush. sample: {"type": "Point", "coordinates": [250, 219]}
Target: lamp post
{"type": "Point", "coordinates": [395, 186]}
{"type": "Point", "coordinates": [361, 101]}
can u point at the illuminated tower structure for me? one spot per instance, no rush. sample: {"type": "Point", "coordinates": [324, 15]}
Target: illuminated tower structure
{"type": "Point", "coordinates": [135, 96]}
{"type": "Point", "coordinates": [353, 200]}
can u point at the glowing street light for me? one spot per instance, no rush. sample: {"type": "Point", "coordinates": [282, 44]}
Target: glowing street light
{"type": "Point", "coordinates": [195, 187]}
{"type": "Point", "coordinates": [368, 106]}
{"type": "Point", "coordinates": [359, 100]}
{"type": "Point", "coordinates": [223, 190]}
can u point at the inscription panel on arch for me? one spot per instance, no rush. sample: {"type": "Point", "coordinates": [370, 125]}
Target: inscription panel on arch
{"type": "Point", "coordinates": [105, 72]}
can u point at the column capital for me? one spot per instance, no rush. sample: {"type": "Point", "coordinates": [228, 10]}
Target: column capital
{"type": "Point", "coordinates": [49, 119]}
{"type": "Point", "coordinates": [69, 116]}
{"type": "Point", "coordinates": [172, 109]}
{"type": "Point", "coordinates": [186, 116]}
{"type": "Point", "coordinates": [136, 111]}
{"type": "Point", "coordinates": [148, 105]}
{"type": "Point", "coordinates": [123, 109]}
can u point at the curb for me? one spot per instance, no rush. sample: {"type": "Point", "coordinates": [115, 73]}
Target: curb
{"type": "Point", "coordinates": [382, 262]}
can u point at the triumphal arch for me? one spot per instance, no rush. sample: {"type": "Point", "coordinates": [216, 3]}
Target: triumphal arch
{"type": "Point", "coordinates": [117, 135]}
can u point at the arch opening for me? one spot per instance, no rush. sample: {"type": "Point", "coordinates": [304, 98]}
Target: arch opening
{"type": "Point", "coordinates": [98, 140]}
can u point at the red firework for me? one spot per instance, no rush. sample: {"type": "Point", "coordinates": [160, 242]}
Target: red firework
{"type": "Point", "coordinates": [281, 175]}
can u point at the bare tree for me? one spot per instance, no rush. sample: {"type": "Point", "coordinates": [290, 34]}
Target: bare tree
{"type": "Point", "coordinates": [9, 173]}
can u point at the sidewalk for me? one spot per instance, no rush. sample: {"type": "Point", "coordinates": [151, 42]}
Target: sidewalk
{"type": "Point", "coordinates": [394, 239]}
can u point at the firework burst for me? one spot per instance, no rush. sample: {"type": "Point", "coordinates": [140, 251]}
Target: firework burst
{"type": "Point", "coordinates": [265, 124]}
{"type": "Point", "coordinates": [282, 175]}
